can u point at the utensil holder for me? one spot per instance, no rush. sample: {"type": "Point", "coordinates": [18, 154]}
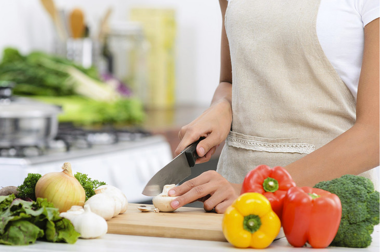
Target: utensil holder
{"type": "Point", "coordinates": [85, 52]}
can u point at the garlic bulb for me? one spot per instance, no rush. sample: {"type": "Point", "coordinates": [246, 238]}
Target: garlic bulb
{"type": "Point", "coordinates": [87, 223]}
{"type": "Point", "coordinates": [76, 210]}
{"type": "Point", "coordinates": [61, 188]}
{"type": "Point", "coordinates": [163, 200]}
{"type": "Point", "coordinates": [102, 205]}
{"type": "Point", "coordinates": [116, 193]}
{"type": "Point", "coordinates": [108, 202]}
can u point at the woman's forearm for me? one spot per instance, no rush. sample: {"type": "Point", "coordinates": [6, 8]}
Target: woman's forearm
{"type": "Point", "coordinates": [353, 152]}
{"type": "Point", "coordinates": [223, 91]}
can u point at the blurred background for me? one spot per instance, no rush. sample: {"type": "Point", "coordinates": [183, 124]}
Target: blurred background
{"type": "Point", "coordinates": [193, 31]}
{"type": "Point", "coordinates": [105, 85]}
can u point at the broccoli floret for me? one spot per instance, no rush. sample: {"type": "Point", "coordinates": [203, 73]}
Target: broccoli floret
{"type": "Point", "coordinates": [27, 189]}
{"type": "Point", "coordinates": [340, 235]}
{"type": "Point", "coordinates": [360, 209]}
{"type": "Point", "coordinates": [373, 207]}
{"type": "Point", "coordinates": [356, 236]}
{"type": "Point", "coordinates": [360, 181]}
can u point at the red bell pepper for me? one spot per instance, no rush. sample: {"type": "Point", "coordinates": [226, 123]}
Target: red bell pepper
{"type": "Point", "coordinates": [311, 215]}
{"type": "Point", "coordinates": [272, 183]}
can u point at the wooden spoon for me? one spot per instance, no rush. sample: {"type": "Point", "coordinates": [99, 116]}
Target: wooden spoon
{"type": "Point", "coordinates": [52, 10]}
{"type": "Point", "coordinates": [77, 23]}
{"type": "Point", "coordinates": [103, 27]}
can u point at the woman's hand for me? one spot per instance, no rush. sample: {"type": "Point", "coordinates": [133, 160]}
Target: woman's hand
{"type": "Point", "coordinates": [214, 124]}
{"type": "Point", "coordinates": [210, 183]}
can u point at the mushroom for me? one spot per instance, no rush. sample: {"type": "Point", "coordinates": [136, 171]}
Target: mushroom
{"type": "Point", "coordinates": [163, 200]}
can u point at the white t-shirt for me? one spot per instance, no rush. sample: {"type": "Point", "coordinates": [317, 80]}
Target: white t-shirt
{"type": "Point", "coordinates": [340, 30]}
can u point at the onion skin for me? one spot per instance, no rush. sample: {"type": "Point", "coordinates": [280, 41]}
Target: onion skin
{"type": "Point", "coordinates": [61, 188]}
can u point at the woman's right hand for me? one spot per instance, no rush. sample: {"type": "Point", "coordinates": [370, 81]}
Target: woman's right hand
{"type": "Point", "coordinates": [214, 124]}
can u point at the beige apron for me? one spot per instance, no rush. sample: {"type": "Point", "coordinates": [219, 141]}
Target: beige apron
{"type": "Point", "coordinates": [287, 99]}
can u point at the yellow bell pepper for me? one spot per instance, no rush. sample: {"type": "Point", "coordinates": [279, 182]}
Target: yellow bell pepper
{"type": "Point", "coordinates": [250, 222]}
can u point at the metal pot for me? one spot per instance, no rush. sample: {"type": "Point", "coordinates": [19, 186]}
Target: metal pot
{"type": "Point", "coordinates": [24, 122]}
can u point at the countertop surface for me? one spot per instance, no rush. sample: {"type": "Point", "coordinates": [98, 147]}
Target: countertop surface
{"type": "Point", "coordinates": [113, 243]}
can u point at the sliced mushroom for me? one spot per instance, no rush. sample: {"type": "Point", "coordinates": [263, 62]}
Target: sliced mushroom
{"type": "Point", "coordinates": [144, 208]}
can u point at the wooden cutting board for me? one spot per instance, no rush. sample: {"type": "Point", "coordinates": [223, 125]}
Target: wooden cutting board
{"type": "Point", "coordinates": [186, 223]}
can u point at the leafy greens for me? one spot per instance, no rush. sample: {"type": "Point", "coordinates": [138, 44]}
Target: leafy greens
{"type": "Point", "coordinates": [88, 184]}
{"type": "Point", "coordinates": [84, 97]}
{"type": "Point", "coordinates": [27, 189]}
{"type": "Point", "coordinates": [23, 222]}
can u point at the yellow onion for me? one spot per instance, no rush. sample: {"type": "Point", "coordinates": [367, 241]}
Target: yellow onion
{"type": "Point", "coordinates": [61, 188]}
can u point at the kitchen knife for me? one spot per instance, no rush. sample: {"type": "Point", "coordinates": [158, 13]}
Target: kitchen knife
{"type": "Point", "coordinates": [174, 172]}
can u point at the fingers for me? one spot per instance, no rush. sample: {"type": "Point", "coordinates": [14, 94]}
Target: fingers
{"type": "Point", "coordinates": [205, 149]}
{"type": "Point", "coordinates": [194, 189]}
{"type": "Point", "coordinates": [188, 136]}
{"type": "Point", "coordinates": [206, 157]}
{"type": "Point", "coordinates": [211, 141]}
{"type": "Point", "coordinates": [222, 207]}
{"type": "Point", "coordinates": [190, 184]}
{"type": "Point", "coordinates": [194, 194]}
{"type": "Point", "coordinates": [225, 193]}
{"type": "Point", "coordinates": [209, 183]}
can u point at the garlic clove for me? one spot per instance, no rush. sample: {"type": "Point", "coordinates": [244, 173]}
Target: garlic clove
{"type": "Point", "coordinates": [76, 210]}
{"type": "Point", "coordinates": [118, 205]}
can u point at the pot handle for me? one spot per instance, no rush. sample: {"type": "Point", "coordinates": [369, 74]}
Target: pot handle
{"type": "Point", "coordinates": [6, 89]}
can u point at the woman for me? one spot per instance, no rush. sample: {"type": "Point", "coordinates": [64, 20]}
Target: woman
{"type": "Point", "coordinates": [299, 88]}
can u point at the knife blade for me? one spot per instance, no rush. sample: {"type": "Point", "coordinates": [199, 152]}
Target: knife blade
{"type": "Point", "coordinates": [174, 172]}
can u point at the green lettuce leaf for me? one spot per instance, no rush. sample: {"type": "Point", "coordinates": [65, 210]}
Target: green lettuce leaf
{"type": "Point", "coordinates": [6, 201]}
{"type": "Point", "coordinates": [22, 222]}
{"type": "Point", "coordinates": [21, 232]}
{"type": "Point", "coordinates": [61, 231]}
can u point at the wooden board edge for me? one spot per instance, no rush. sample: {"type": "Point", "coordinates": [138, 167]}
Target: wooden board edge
{"type": "Point", "coordinates": [184, 233]}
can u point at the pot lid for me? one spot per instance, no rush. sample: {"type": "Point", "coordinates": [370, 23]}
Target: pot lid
{"type": "Point", "coordinates": [16, 107]}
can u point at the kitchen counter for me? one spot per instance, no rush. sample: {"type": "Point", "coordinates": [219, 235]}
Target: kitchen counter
{"type": "Point", "coordinates": [116, 243]}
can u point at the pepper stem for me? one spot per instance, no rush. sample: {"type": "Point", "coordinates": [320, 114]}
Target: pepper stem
{"type": "Point", "coordinates": [67, 169]}
{"type": "Point", "coordinates": [314, 195]}
{"type": "Point", "coordinates": [270, 185]}
{"type": "Point", "coordinates": [252, 223]}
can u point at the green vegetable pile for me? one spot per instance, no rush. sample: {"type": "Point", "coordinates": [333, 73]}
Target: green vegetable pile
{"type": "Point", "coordinates": [27, 189]}
{"type": "Point", "coordinates": [360, 210]}
{"type": "Point", "coordinates": [88, 184]}
{"type": "Point", "coordinates": [85, 111]}
{"type": "Point", "coordinates": [84, 98]}
{"type": "Point", "coordinates": [23, 222]}
{"type": "Point", "coordinates": [39, 73]}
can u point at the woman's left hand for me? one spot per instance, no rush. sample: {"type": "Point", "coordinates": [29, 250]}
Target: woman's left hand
{"type": "Point", "coordinates": [222, 193]}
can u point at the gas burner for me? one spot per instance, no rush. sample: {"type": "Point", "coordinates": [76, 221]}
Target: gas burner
{"type": "Point", "coordinates": [71, 137]}
{"type": "Point", "coordinates": [86, 138]}
{"type": "Point", "coordinates": [21, 151]}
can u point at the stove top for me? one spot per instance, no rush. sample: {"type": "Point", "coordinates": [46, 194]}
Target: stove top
{"type": "Point", "coordinates": [71, 140]}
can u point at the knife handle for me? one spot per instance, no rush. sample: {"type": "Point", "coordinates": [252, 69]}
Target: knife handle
{"type": "Point", "coordinates": [191, 152]}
